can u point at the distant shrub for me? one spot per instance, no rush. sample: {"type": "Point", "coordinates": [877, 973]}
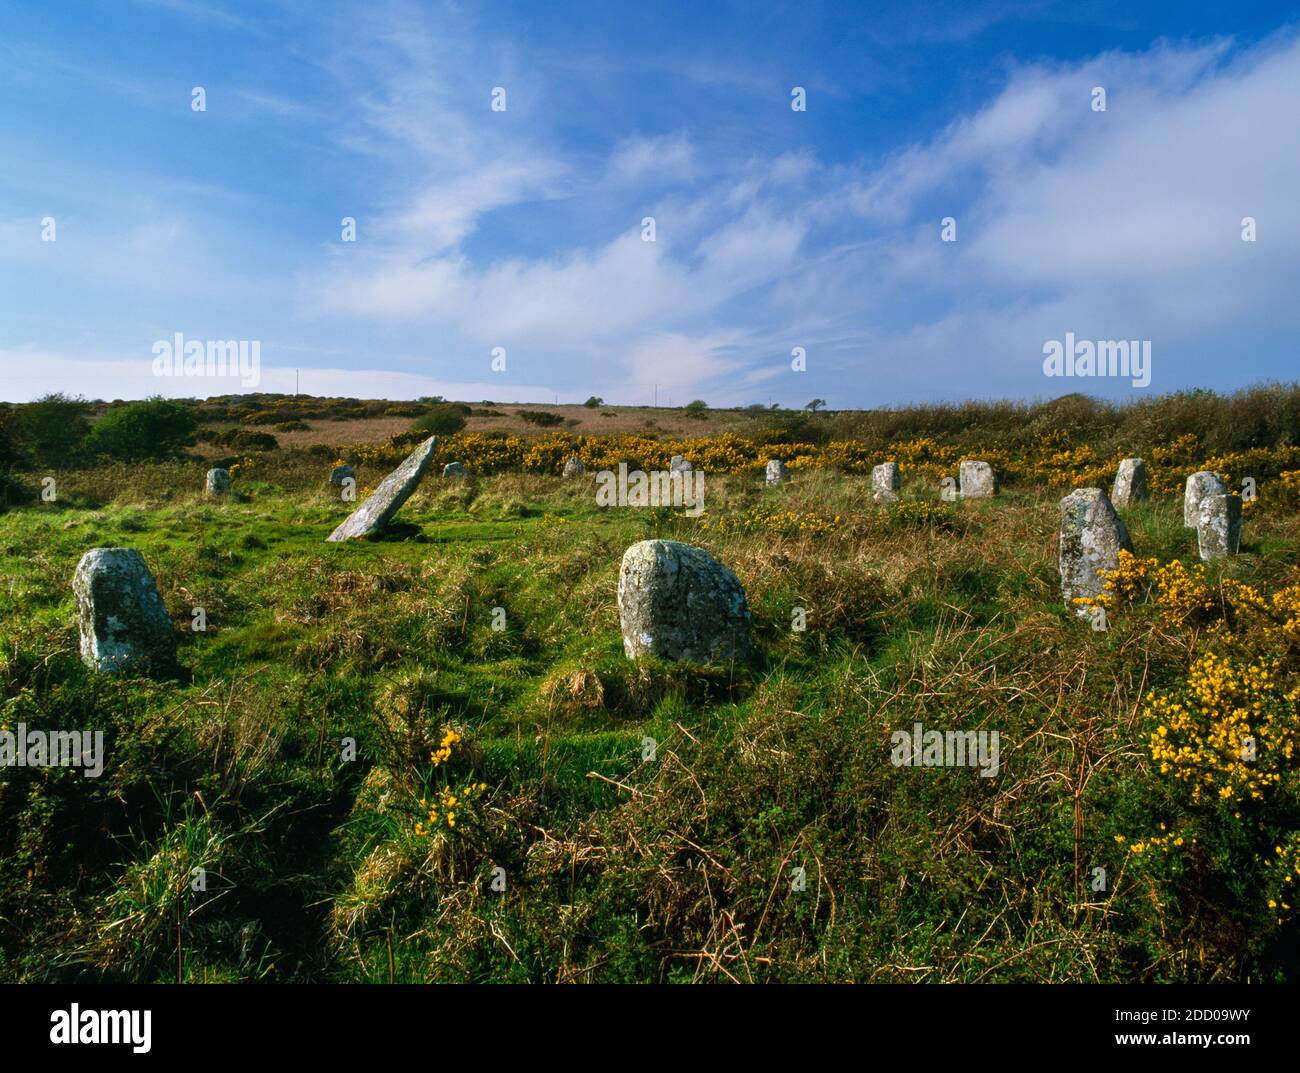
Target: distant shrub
{"type": "Point", "coordinates": [12, 491]}
{"type": "Point", "coordinates": [405, 409]}
{"type": "Point", "coordinates": [444, 419]}
{"type": "Point", "coordinates": [10, 438]}
{"type": "Point", "coordinates": [241, 439]}
{"type": "Point", "coordinates": [794, 426]}
{"type": "Point", "coordinates": [594, 402]}
{"type": "Point", "coordinates": [262, 417]}
{"type": "Point", "coordinates": [696, 408]}
{"type": "Point", "coordinates": [245, 440]}
{"type": "Point", "coordinates": [53, 429]}
{"type": "Point", "coordinates": [155, 429]}
{"type": "Point", "coordinates": [541, 418]}
{"type": "Point", "coordinates": [291, 426]}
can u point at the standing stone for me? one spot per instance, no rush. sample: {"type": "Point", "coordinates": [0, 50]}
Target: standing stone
{"type": "Point", "coordinates": [1199, 485]}
{"type": "Point", "coordinates": [776, 471]}
{"type": "Point", "coordinates": [340, 474]}
{"type": "Point", "coordinates": [680, 465]}
{"type": "Point", "coordinates": [885, 482]}
{"type": "Point", "coordinates": [976, 480]}
{"type": "Point", "coordinates": [123, 621]}
{"type": "Point", "coordinates": [677, 602]}
{"type": "Point", "coordinates": [1092, 535]}
{"type": "Point", "coordinates": [395, 489]}
{"type": "Point", "coordinates": [218, 482]}
{"type": "Point", "coordinates": [1130, 483]}
{"type": "Point", "coordinates": [1218, 526]}
{"type": "Point", "coordinates": [574, 467]}
{"type": "Point", "coordinates": [454, 469]}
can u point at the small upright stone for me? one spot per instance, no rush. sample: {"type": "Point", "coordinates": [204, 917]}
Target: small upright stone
{"type": "Point", "coordinates": [1218, 526]}
{"type": "Point", "coordinates": [976, 480]}
{"type": "Point", "coordinates": [1199, 485]}
{"type": "Point", "coordinates": [680, 465]}
{"type": "Point", "coordinates": [340, 474]}
{"type": "Point", "coordinates": [1092, 535]}
{"type": "Point", "coordinates": [885, 482]}
{"type": "Point", "coordinates": [574, 467]}
{"type": "Point", "coordinates": [454, 469]}
{"type": "Point", "coordinates": [677, 602]}
{"type": "Point", "coordinates": [218, 482]}
{"type": "Point", "coordinates": [776, 472]}
{"type": "Point", "coordinates": [121, 616]}
{"type": "Point", "coordinates": [1130, 483]}
{"type": "Point", "coordinates": [395, 489]}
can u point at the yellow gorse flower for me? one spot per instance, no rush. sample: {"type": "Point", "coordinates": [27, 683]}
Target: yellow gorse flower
{"type": "Point", "coordinates": [449, 800]}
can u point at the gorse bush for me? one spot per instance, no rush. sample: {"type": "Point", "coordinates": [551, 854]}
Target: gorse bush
{"type": "Point", "coordinates": [444, 419]}
{"type": "Point", "coordinates": [54, 430]}
{"type": "Point", "coordinates": [239, 439]}
{"type": "Point", "coordinates": [541, 418]}
{"type": "Point", "coordinates": [11, 489]}
{"type": "Point", "coordinates": [10, 437]}
{"type": "Point", "coordinates": [154, 429]}
{"type": "Point", "coordinates": [1223, 739]}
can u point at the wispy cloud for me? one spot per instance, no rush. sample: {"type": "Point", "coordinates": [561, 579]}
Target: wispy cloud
{"type": "Point", "coordinates": [522, 228]}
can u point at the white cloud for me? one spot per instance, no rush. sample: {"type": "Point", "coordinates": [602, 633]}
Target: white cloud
{"type": "Point", "coordinates": [668, 156]}
{"type": "Point", "coordinates": [480, 229]}
{"type": "Point", "coordinates": [30, 373]}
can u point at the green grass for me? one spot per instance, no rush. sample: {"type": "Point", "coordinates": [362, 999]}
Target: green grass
{"type": "Point", "coordinates": [616, 868]}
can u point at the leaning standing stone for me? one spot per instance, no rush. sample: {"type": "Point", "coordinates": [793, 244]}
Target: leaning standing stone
{"type": "Point", "coordinates": [677, 602]}
{"type": "Point", "coordinates": [776, 471]}
{"type": "Point", "coordinates": [123, 622]}
{"type": "Point", "coordinates": [218, 482]}
{"type": "Point", "coordinates": [1199, 485]}
{"type": "Point", "coordinates": [1092, 535]}
{"type": "Point", "coordinates": [1130, 483]}
{"type": "Point", "coordinates": [574, 467]}
{"type": "Point", "coordinates": [679, 465]}
{"type": "Point", "coordinates": [377, 511]}
{"type": "Point", "coordinates": [976, 480]}
{"type": "Point", "coordinates": [1218, 526]}
{"type": "Point", "coordinates": [885, 482]}
{"type": "Point", "coordinates": [454, 469]}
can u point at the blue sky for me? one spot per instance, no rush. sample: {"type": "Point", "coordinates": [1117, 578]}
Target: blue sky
{"type": "Point", "coordinates": [522, 228]}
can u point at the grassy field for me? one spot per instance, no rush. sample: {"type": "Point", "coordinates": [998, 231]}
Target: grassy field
{"type": "Point", "coordinates": [614, 821]}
